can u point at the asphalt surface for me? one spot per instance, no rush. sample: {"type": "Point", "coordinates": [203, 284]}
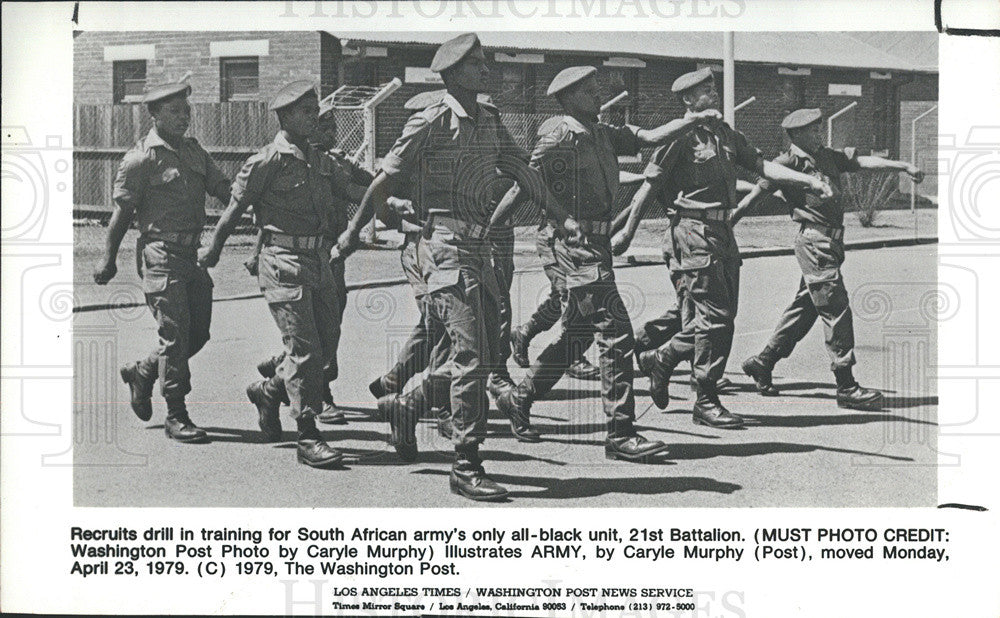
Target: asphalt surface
{"type": "Point", "coordinates": [798, 449]}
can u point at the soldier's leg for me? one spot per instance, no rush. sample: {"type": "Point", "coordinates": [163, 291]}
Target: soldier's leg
{"type": "Point", "coordinates": [415, 353]}
{"type": "Point", "coordinates": [713, 290]}
{"type": "Point", "coordinates": [200, 310]}
{"type": "Point", "coordinates": [615, 342]}
{"type": "Point", "coordinates": [172, 309]}
{"type": "Point", "coordinates": [500, 340]}
{"type": "Point", "coordinates": [659, 330]}
{"type": "Point", "coordinates": [546, 314]}
{"type": "Point", "coordinates": [307, 349]}
{"type": "Point", "coordinates": [547, 369]}
{"type": "Point", "coordinates": [793, 325]}
{"type": "Point", "coordinates": [330, 314]}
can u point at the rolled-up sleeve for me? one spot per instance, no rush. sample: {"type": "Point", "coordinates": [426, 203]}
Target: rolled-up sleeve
{"type": "Point", "coordinates": [250, 181]}
{"type": "Point", "coordinates": [658, 169]}
{"type": "Point", "coordinates": [405, 153]}
{"type": "Point", "coordinates": [624, 139]}
{"type": "Point", "coordinates": [747, 157]}
{"type": "Point", "coordinates": [131, 179]}
{"type": "Point", "coordinates": [847, 160]}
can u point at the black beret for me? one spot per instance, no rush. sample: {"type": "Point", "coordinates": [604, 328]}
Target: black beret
{"type": "Point", "coordinates": [291, 93]}
{"type": "Point", "coordinates": [690, 80]}
{"type": "Point", "coordinates": [801, 118]}
{"type": "Point", "coordinates": [567, 77]}
{"type": "Point", "coordinates": [453, 50]}
{"type": "Point", "coordinates": [160, 93]}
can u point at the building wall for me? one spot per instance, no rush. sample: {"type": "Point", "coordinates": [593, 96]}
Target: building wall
{"type": "Point", "coordinates": [291, 56]}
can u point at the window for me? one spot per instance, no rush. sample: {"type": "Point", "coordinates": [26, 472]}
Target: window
{"type": "Point", "coordinates": [239, 79]}
{"type": "Point", "coordinates": [129, 80]}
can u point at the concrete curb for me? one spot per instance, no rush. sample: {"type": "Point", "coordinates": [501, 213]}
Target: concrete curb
{"type": "Point", "coordinates": [632, 261]}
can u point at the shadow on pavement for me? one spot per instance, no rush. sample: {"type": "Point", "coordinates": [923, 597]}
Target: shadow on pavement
{"type": "Point", "coordinates": [819, 420]}
{"type": "Point", "coordinates": [708, 451]}
{"type": "Point", "coordinates": [579, 487]}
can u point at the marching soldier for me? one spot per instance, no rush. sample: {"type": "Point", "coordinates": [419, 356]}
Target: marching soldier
{"type": "Point", "coordinates": [548, 312]}
{"type": "Point", "coordinates": [428, 344]}
{"type": "Point", "coordinates": [577, 157]}
{"type": "Point", "coordinates": [819, 248]}
{"type": "Point", "coordinates": [698, 174]}
{"type": "Point", "coordinates": [162, 181]}
{"type": "Point", "coordinates": [349, 183]}
{"type": "Point", "coordinates": [455, 148]}
{"type": "Point", "coordinates": [290, 185]}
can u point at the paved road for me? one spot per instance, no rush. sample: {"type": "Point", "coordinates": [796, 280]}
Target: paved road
{"type": "Point", "coordinates": [799, 450]}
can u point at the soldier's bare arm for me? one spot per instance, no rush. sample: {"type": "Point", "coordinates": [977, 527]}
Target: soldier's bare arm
{"type": "Point", "coordinates": [121, 219]}
{"type": "Point", "coordinates": [782, 175]}
{"type": "Point", "coordinates": [675, 128]}
{"type": "Point", "coordinates": [879, 163]}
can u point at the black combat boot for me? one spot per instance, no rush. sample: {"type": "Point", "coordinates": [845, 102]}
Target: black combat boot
{"type": "Point", "coordinates": [583, 369]}
{"type": "Point", "coordinates": [852, 395]}
{"type": "Point", "coordinates": [708, 410]}
{"type": "Point", "coordinates": [499, 382]}
{"type": "Point", "coordinates": [330, 415]}
{"type": "Point", "coordinates": [266, 395]}
{"type": "Point", "coordinates": [759, 368]}
{"type": "Point", "coordinates": [468, 478]}
{"type": "Point", "coordinates": [515, 404]}
{"type": "Point", "coordinates": [178, 425]}
{"type": "Point", "coordinates": [377, 388]}
{"type": "Point", "coordinates": [402, 412]}
{"type": "Point", "coordinates": [311, 449]}
{"type": "Point", "coordinates": [632, 448]}
{"type": "Point", "coordinates": [658, 369]}
{"type": "Point", "coordinates": [140, 377]}
{"type": "Point", "coordinates": [268, 369]}
{"type": "Point", "coordinates": [519, 342]}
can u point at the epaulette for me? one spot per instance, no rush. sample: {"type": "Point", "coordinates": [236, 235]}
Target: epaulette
{"type": "Point", "coordinates": [552, 125]}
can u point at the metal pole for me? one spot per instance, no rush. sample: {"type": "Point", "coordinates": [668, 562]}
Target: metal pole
{"type": "Point", "coordinates": [829, 123]}
{"type": "Point", "coordinates": [728, 79]}
{"type": "Point", "coordinates": [622, 95]}
{"type": "Point", "coordinates": [744, 104]}
{"type": "Point", "coordinates": [913, 157]}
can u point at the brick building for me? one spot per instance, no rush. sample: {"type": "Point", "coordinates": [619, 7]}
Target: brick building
{"type": "Point", "coordinates": [890, 77]}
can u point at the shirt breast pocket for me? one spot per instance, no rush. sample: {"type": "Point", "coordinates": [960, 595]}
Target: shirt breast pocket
{"type": "Point", "coordinates": [167, 179]}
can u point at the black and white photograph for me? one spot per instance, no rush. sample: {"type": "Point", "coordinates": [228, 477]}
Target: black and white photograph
{"type": "Point", "coordinates": [500, 307]}
{"type": "Point", "coordinates": [539, 268]}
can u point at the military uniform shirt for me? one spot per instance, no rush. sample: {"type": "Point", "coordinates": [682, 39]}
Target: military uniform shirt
{"type": "Point", "coordinates": [291, 191]}
{"type": "Point", "coordinates": [580, 164]}
{"type": "Point", "coordinates": [344, 173]}
{"type": "Point", "coordinates": [167, 186]}
{"type": "Point", "coordinates": [701, 165]}
{"type": "Point", "coordinates": [826, 164]}
{"type": "Point", "coordinates": [453, 158]}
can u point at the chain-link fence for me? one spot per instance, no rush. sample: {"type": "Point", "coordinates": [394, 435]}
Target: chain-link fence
{"type": "Point", "coordinates": [230, 132]}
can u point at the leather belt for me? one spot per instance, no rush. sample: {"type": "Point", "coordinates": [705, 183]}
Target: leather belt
{"type": "Point", "coordinates": [711, 214]}
{"type": "Point", "coordinates": [835, 233]}
{"type": "Point", "coordinates": [186, 239]}
{"type": "Point", "coordinates": [595, 227]}
{"type": "Point", "coordinates": [293, 242]}
{"type": "Point", "coordinates": [468, 230]}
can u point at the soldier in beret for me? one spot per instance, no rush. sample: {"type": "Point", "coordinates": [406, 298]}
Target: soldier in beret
{"type": "Point", "coordinates": [577, 157]}
{"type": "Point", "coordinates": [162, 181]}
{"type": "Point", "coordinates": [290, 185]}
{"type": "Point", "coordinates": [698, 174]}
{"type": "Point", "coordinates": [349, 182]}
{"type": "Point", "coordinates": [428, 344]}
{"type": "Point", "coordinates": [819, 247]}
{"type": "Point", "coordinates": [454, 150]}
